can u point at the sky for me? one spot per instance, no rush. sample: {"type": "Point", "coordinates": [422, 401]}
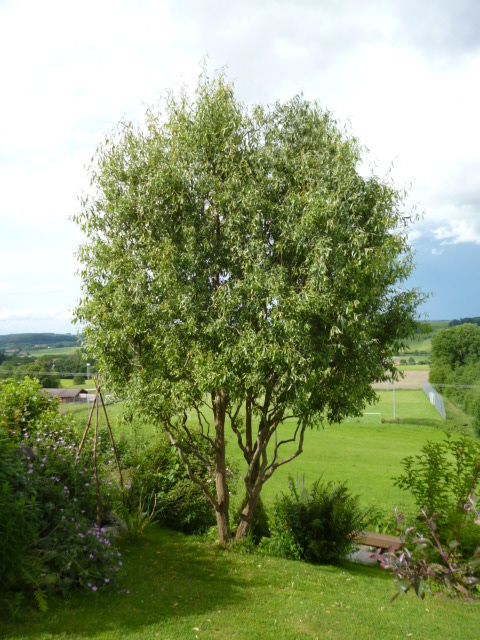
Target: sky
{"type": "Point", "coordinates": [400, 75]}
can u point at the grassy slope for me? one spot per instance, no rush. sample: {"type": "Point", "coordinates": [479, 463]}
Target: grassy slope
{"type": "Point", "coordinates": [423, 344]}
{"type": "Point", "coordinates": [183, 588]}
{"type": "Point", "coordinates": [67, 383]}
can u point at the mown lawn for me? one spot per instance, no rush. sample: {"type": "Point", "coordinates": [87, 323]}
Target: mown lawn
{"type": "Point", "coordinates": [180, 587]}
{"type": "Point", "coordinates": [364, 452]}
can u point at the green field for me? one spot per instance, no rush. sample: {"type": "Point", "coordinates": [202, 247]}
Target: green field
{"type": "Point", "coordinates": [175, 587]}
{"type": "Point", "coordinates": [53, 351]}
{"type": "Point", "coordinates": [67, 383]}
{"type": "Point", "coordinates": [422, 344]}
{"type": "Point", "coordinates": [414, 367]}
{"type": "Point", "coordinates": [364, 451]}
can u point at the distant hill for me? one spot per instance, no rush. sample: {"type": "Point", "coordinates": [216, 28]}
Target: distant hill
{"type": "Point", "coordinates": [455, 323]}
{"type": "Point", "coordinates": [33, 341]}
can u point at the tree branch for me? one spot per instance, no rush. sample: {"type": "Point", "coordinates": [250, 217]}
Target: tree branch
{"type": "Point", "coordinates": [202, 485]}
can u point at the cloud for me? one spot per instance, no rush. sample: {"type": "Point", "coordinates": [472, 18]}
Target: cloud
{"type": "Point", "coordinates": [457, 232]}
{"type": "Point", "coordinates": [7, 315]}
{"type": "Point", "coordinates": [442, 25]}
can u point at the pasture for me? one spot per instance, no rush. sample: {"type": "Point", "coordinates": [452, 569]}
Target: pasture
{"type": "Point", "coordinates": [53, 351]}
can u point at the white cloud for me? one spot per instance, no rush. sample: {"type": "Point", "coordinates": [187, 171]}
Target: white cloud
{"type": "Point", "coordinates": [8, 315]}
{"type": "Point", "coordinates": [458, 232]}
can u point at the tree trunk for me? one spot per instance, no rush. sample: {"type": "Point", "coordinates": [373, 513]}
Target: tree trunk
{"type": "Point", "coordinates": [253, 484]}
{"type": "Point", "coordinates": [219, 411]}
{"type": "Point", "coordinates": [248, 424]}
{"type": "Point", "coordinates": [248, 511]}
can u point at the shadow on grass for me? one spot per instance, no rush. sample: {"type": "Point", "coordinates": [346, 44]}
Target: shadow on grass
{"type": "Point", "coordinates": [421, 422]}
{"type": "Point", "coordinates": [166, 575]}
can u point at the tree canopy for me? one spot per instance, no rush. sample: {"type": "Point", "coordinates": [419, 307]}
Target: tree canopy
{"type": "Point", "coordinates": [456, 367]}
{"type": "Point", "coordinates": [239, 272]}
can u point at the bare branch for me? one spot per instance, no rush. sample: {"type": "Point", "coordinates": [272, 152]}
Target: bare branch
{"type": "Point", "coordinates": [202, 485]}
{"type": "Point", "coordinates": [275, 465]}
{"type": "Point", "coordinates": [195, 450]}
{"type": "Point", "coordinates": [204, 423]}
{"type": "Point", "coordinates": [237, 432]}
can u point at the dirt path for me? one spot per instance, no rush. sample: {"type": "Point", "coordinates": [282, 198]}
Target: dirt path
{"type": "Point", "coordinates": [410, 380]}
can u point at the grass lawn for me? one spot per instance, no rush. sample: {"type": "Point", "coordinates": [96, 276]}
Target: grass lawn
{"type": "Point", "coordinates": [67, 383]}
{"type": "Point", "coordinates": [180, 587]}
{"type": "Point", "coordinates": [414, 367]}
{"type": "Point", "coordinates": [361, 451]}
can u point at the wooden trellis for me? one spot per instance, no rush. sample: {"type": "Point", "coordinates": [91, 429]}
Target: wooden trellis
{"type": "Point", "coordinates": [98, 401]}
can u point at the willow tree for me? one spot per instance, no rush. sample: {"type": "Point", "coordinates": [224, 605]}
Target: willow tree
{"type": "Point", "coordinates": [239, 272]}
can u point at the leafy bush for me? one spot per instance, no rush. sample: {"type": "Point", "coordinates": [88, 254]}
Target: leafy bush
{"type": "Point", "coordinates": [157, 475]}
{"type": "Point", "coordinates": [442, 478]}
{"type": "Point", "coordinates": [18, 518]}
{"type": "Point", "coordinates": [79, 379]}
{"type": "Point", "coordinates": [49, 541]}
{"type": "Point", "coordinates": [318, 525]}
{"type": "Point", "coordinates": [23, 403]}
{"type": "Point", "coordinates": [423, 561]}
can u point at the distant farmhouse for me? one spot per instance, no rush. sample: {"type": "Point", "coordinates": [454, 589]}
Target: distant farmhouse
{"type": "Point", "coordinates": [70, 395]}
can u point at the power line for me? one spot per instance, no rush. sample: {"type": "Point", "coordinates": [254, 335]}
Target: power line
{"type": "Point", "coordinates": [45, 373]}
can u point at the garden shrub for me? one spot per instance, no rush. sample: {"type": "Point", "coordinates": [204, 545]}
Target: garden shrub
{"type": "Point", "coordinates": [23, 403]}
{"type": "Point", "coordinates": [18, 518]}
{"type": "Point", "coordinates": [49, 499]}
{"type": "Point", "coordinates": [318, 526]}
{"type": "Point", "coordinates": [158, 477]}
{"type": "Point", "coordinates": [442, 479]}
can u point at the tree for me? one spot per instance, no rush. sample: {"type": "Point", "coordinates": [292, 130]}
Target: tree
{"type": "Point", "coordinates": [455, 347]}
{"type": "Point", "coordinates": [239, 270]}
{"type": "Point", "coordinates": [43, 371]}
{"type": "Point", "coordinates": [456, 364]}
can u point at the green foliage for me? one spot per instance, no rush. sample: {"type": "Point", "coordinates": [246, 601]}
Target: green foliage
{"type": "Point", "coordinates": [318, 525]}
{"type": "Point", "coordinates": [424, 561]}
{"type": "Point", "coordinates": [442, 478]}
{"type": "Point", "coordinates": [474, 320]}
{"type": "Point", "coordinates": [19, 527]}
{"type": "Point", "coordinates": [22, 403]}
{"type": "Point", "coordinates": [79, 379]}
{"type": "Point", "coordinates": [456, 364]}
{"type": "Point", "coordinates": [159, 485]}
{"type": "Point", "coordinates": [238, 256]}
{"type": "Point", "coordinates": [49, 541]}
{"type": "Point", "coordinates": [456, 347]}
